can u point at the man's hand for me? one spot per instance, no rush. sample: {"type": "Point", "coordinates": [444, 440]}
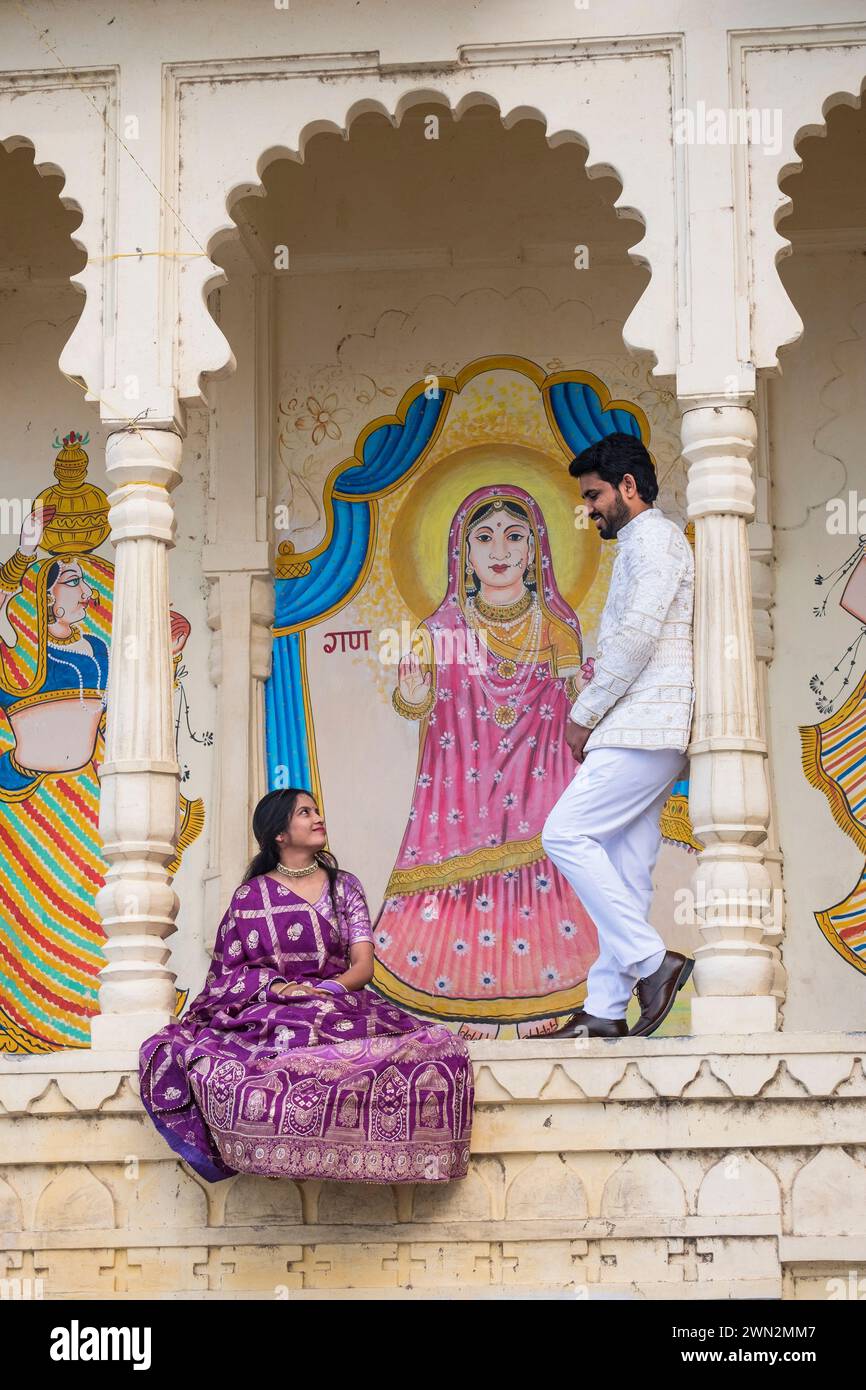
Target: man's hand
{"type": "Point", "coordinates": [576, 736]}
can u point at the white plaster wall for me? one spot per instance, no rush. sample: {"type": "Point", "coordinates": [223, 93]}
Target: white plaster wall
{"type": "Point", "coordinates": [817, 424]}
{"type": "Point", "coordinates": [352, 334]}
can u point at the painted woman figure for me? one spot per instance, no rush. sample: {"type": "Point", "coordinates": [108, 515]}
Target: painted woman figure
{"type": "Point", "coordinates": [477, 924]}
{"type": "Point", "coordinates": [286, 1065]}
{"type": "Point", "coordinates": [55, 616]}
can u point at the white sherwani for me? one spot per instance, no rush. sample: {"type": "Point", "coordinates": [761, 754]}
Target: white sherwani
{"type": "Point", "coordinates": [642, 692]}
{"type": "Point", "coordinates": [603, 833]}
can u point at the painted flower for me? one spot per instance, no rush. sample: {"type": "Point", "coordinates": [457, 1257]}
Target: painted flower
{"type": "Point", "coordinates": [321, 418]}
{"type": "Point", "coordinates": [542, 883]}
{"type": "Point", "coordinates": [457, 890]}
{"type": "Point", "coordinates": [532, 741]}
{"type": "Point", "coordinates": [497, 777]}
{"type": "Point", "coordinates": [473, 775]}
{"type": "Point", "coordinates": [253, 938]}
{"type": "Point", "coordinates": [446, 740]}
{"type": "Point", "coordinates": [455, 816]}
{"type": "Point", "coordinates": [483, 812]}
{"type": "Point", "coordinates": [415, 958]}
{"type": "Point", "coordinates": [587, 670]}
{"type": "Point", "coordinates": [509, 800]}
{"type": "Point", "coordinates": [429, 912]}
{"type": "Point", "coordinates": [235, 948]}
{"type": "Point", "coordinates": [546, 711]}
{"type": "Point", "coordinates": [567, 928]}
{"type": "Point", "coordinates": [492, 841]}
{"type": "Point", "coordinates": [521, 946]}
{"type": "Point", "coordinates": [510, 876]}
{"type": "Point", "coordinates": [484, 902]}
{"type": "Point", "coordinates": [442, 983]}
{"type": "Point", "coordinates": [487, 937]}
{"type": "Point", "coordinates": [539, 773]}
{"type": "Point", "coordinates": [383, 940]}
{"type": "Point", "coordinates": [506, 744]}
{"type": "Point", "coordinates": [433, 817]}
{"type": "Point", "coordinates": [523, 827]}
{"type": "Point", "coordinates": [549, 975]}
{"type": "Point", "coordinates": [526, 911]}
{"type": "Point", "coordinates": [172, 1092]}
{"type": "Point", "coordinates": [487, 979]}
{"type": "Point", "coordinates": [425, 779]}
{"type": "Point", "coordinates": [483, 712]}
{"type": "Point", "coordinates": [460, 947]}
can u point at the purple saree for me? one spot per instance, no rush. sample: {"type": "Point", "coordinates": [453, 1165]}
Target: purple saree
{"type": "Point", "coordinates": [338, 1086]}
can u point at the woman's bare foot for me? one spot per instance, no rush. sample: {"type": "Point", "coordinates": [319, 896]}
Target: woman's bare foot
{"type": "Point", "coordinates": [537, 1027]}
{"type": "Point", "coordinates": [476, 1032]}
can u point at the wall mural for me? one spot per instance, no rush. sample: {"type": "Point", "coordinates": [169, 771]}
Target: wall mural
{"type": "Point", "coordinates": [834, 753]}
{"type": "Point", "coordinates": [477, 927]}
{"type": "Point", "coordinates": [55, 634]}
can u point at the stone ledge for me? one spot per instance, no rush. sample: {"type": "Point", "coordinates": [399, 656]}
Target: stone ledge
{"type": "Point", "coordinates": [637, 1168]}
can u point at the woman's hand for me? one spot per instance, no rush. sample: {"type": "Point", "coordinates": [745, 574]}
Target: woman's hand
{"type": "Point", "coordinates": [34, 525]}
{"type": "Point", "coordinates": [415, 684]}
{"type": "Point", "coordinates": [299, 987]}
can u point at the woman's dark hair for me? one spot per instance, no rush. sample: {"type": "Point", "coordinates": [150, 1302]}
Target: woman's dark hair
{"type": "Point", "coordinates": [270, 819]}
{"type": "Point", "coordinates": [614, 456]}
{"type": "Point", "coordinates": [514, 509]}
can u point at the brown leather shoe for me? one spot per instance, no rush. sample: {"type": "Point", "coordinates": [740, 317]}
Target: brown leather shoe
{"type": "Point", "coordinates": [656, 993]}
{"type": "Point", "coordinates": [584, 1025]}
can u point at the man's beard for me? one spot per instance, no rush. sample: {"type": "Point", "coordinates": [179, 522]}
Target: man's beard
{"type": "Point", "coordinates": [615, 522]}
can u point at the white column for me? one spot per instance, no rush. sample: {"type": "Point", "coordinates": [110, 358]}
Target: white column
{"type": "Point", "coordinates": [138, 816]}
{"type": "Point", "coordinates": [238, 561]}
{"type": "Point", "coordinates": [760, 534]}
{"type": "Point", "coordinates": [240, 615]}
{"type": "Point", "coordinates": [728, 791]}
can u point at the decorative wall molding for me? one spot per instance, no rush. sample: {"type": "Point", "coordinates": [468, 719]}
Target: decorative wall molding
{"type": "Point", "coordinates": [639, 1168]}
{"type": "Point", "coordinates": [68, 117]}
{"type": "Point", "coordinates": [225, 122]}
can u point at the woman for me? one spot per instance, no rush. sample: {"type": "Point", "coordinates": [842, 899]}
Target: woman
{"type": "Point", "coordinates": [477, 924]}
{"type": "Point", "coordinates": [285, 1065]}
{"type": "Point", "coordinates": [55, 619]}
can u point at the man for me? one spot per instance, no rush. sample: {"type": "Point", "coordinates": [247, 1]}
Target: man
{"type": "Point", "coordinates": [628, 729]}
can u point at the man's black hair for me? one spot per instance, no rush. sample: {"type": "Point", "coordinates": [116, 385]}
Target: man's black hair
{"type": "Point", "coordinates": [614, 456]}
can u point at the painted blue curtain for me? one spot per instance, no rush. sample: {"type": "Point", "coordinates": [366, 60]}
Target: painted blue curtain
{"type": "Point", "coordinates": [389, 453]}
{"type": "Point", "coordinates": [583, 420]}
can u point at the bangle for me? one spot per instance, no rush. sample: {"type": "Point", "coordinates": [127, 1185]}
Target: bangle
{"type": "Point", "coordinates": [13, 571]}
{"type": "Point", "coordinates": [333, 987]}
{"type": "Point", "coordinates": [410, 711]}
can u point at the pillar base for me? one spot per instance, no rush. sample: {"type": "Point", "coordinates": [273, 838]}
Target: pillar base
{"type": "Point", "coordinates": [734, 1013]}
{"type": "Point", "coordinates": [113, 1032]}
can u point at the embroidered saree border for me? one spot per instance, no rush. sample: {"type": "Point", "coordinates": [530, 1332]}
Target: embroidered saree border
{"type": "Point", "coordinates": [487, 859]}
{"type": "Point", "coordinates": [522, 1010]}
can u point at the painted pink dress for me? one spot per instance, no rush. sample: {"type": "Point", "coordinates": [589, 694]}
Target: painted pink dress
{"type": "Point", "coordinates": [339, 1086]}
{"type": "Point", "coordinates": [477, 923]}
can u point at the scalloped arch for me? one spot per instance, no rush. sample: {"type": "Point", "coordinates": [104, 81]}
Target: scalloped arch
{"type": "Point", "coordinates": [237, 171]}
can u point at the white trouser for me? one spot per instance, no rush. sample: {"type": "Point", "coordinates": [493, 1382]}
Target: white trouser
{"type": "Point", "coordinates": [603, 835]}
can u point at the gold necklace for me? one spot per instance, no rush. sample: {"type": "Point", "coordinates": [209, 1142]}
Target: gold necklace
{"type": "Point", "coordinates": [502, 612]}
{"type": "Point", "coordinates": [299, 873]}
{"type": "Point", "coordinates": [74, 635]}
